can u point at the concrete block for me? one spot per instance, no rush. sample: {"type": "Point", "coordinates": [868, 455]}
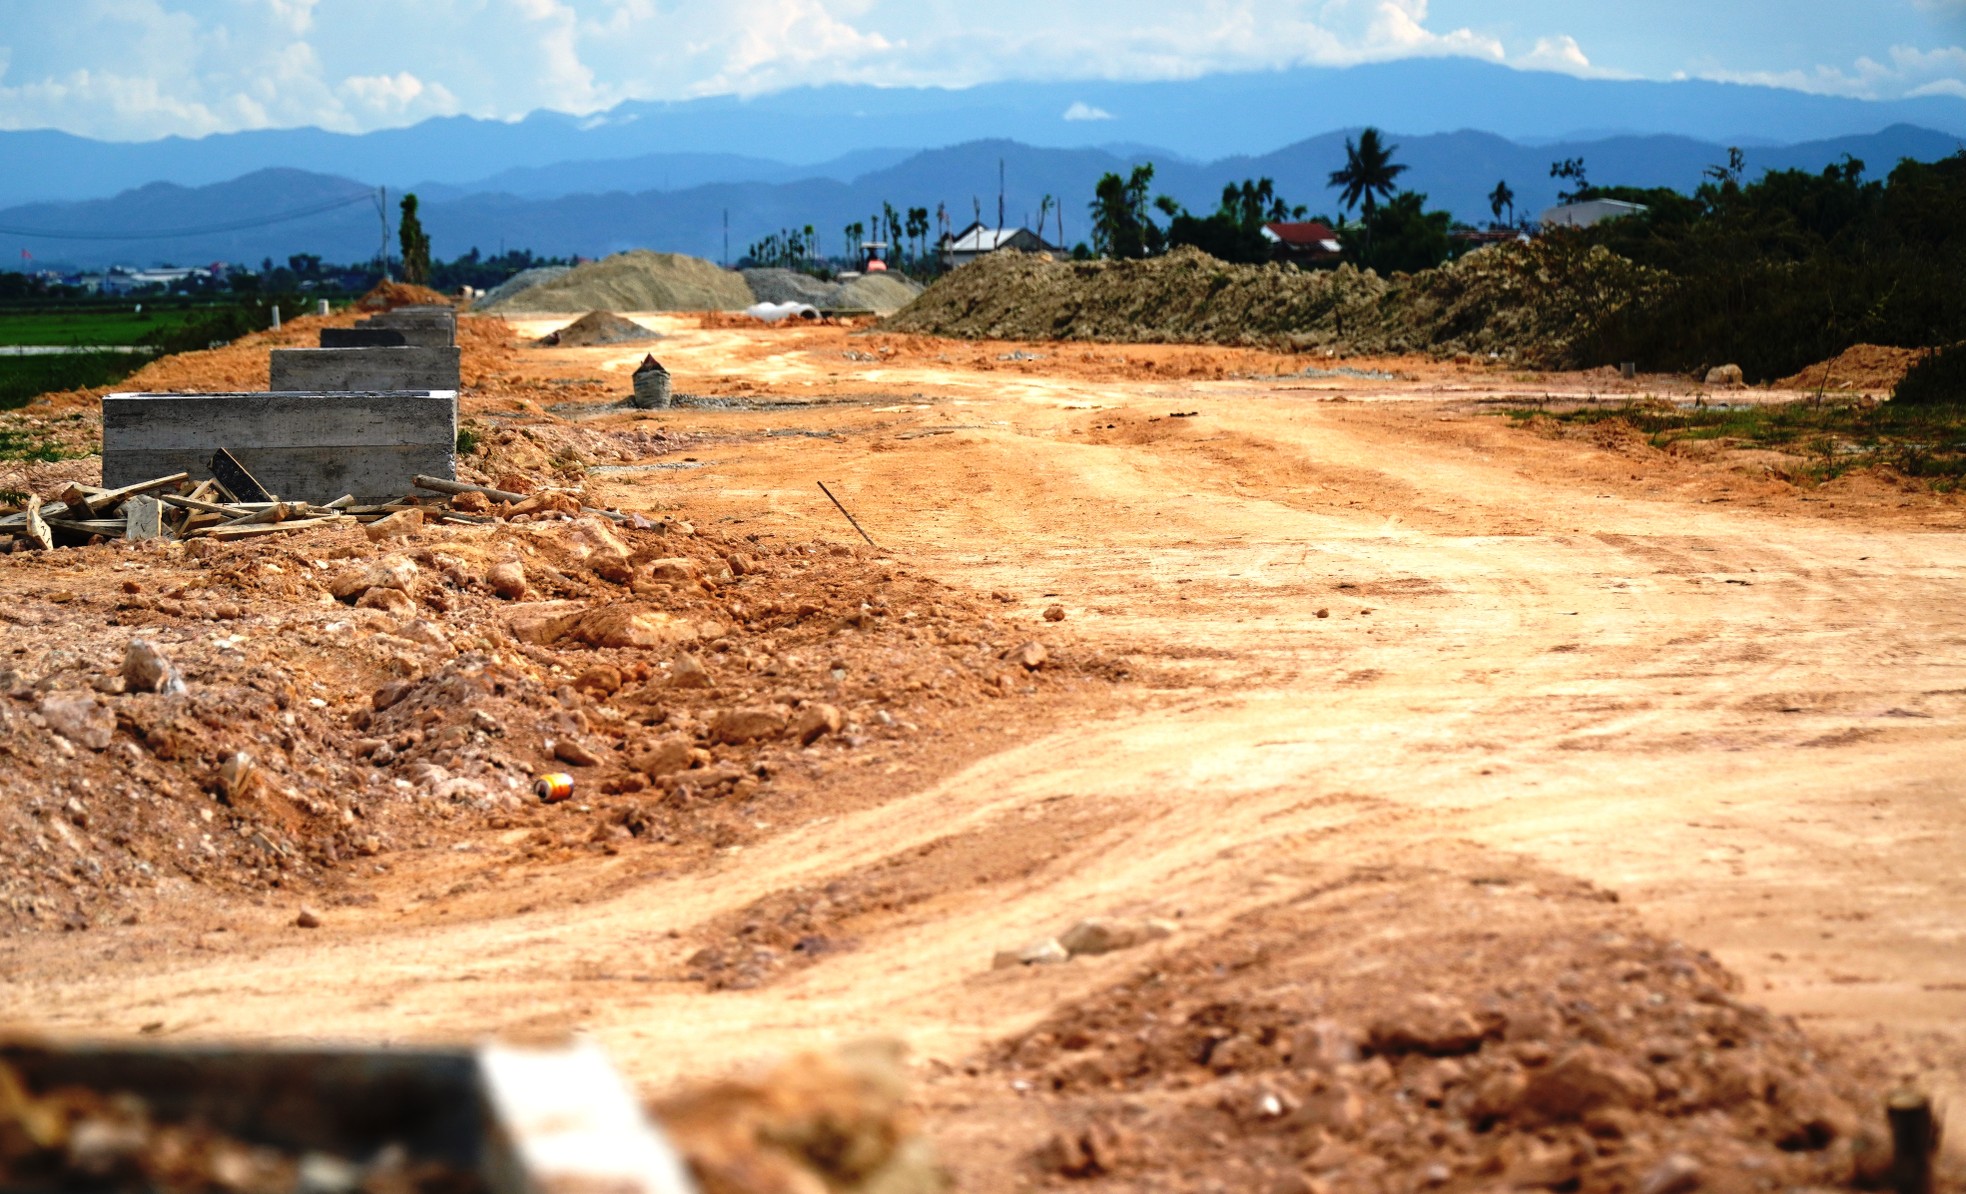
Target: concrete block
{"type": "Point", "coordinates": [338, 369]}
{"type": "Point", "coordinates": [306, 446]}
{"type": "Point", "coordinates": [362, 338]}
{"type": "Point", "coordinates": [422, 327]}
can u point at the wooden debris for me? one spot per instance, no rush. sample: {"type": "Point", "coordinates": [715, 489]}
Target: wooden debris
{"type": "Point", "coordinates": [244, 487]}
{"type": "Point", "coordinates": [37, 530]}
{"type": "Point", "coordinates": [174, 507]}
{"type": "Point", "coordinates": [143, 518]}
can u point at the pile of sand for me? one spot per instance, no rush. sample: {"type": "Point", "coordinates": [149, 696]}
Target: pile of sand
{"type": "Point", "coordinates": [1539, 303]}
{"type": "Point", "coordinates": [387, 296]}
{"type": "Point", "coordinates": [880, 293]}
{"type": "Point", "coordinates": [1859, 369]}
{"type": "Point", "coordinates": [525, 279]}
{"type": "Point", "coordinates": [599, 327]}
{"type": "Point", "coordinates": [634, 281]}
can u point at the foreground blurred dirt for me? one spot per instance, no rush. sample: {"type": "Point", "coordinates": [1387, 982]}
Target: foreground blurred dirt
{"type": "Point", "coordinates": [1372, 702]}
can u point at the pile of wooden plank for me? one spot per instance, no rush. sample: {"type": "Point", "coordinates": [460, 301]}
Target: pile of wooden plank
{"type": "Point", "coordinates": [175, 507]}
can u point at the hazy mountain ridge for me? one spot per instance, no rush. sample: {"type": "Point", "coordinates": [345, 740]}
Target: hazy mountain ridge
{"type": "Point", "coordinates": [1197, 118]}
{"type": "Point", "coordinates": [1456, 170]}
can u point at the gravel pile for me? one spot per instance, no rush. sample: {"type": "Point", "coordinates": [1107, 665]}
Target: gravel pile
{"type": "Point", "coordinates": [523, 280]}
{"type": "Point", "coordinates": [599, 327]}
{"type": "Point", "coordinates": [634, 281]}
{"type": "Point", "coordinates": [883, 293]}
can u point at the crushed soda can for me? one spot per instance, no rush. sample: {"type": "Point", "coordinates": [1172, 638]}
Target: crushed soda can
{"type": "Point", "coordinates": [553, 787]}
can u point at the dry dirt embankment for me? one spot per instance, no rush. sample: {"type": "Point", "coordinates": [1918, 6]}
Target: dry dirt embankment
{"type": "Point", "coordinates": [1413, 674]}
{"type": "Point", "coordinates": [1540, 304]}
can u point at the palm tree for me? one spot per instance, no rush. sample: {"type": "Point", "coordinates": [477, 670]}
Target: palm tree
{"type": "Point", "coordinates": [1368, 174]}
{"type": "Point", "coordinates": [1500, 198]}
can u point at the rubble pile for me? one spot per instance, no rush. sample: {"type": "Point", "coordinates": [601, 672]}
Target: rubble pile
{"type": "Point", "coordinates": [356, 689]}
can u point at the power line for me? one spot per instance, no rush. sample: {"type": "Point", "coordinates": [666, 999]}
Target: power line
{"type": "Point", "coordinates": [206, 230]}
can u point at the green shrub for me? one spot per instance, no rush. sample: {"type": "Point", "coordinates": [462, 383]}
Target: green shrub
{"type": "Point", "coordinates": [25, 378]}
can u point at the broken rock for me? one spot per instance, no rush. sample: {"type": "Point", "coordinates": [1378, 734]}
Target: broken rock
{"type": "Point", "coordinates": [402, 522]}
{"type": "Point", "coordinates": [735, 727]}
{"type": "Point", "coordinates": [1427, 1024]}
{"type": "Point", "coordinates": [1584, 1080]}
{"type": "Point", "coordinates": [686, 672]}
{"type": "Point", "coordinates": [575, 754]}
{"type": "Point", "coordinates": [601, 549]}
{"type": "Point", "coordinates": [145, 669]}
{"type": "Point", "coordinates": [1103, 935]}
{"type": "Point", "coordinates": [1045, 951]}
{"type": "Point", "coordinates": [1030, 656]}
{"type": "Point", "coordinates": [389, 601]}
{"type": "Point", "coordinates": [619, 626]}
{"type": "Point", "coordinates": [663, 757]}
{"type": "Point", "coordinates": [507, 578]}
{"type": "Point", "coordinates": [675, 570]}
{"type": "Point", "coordinates": [80, 718]}
{"type": "Point", "coordinates": [817, 721]}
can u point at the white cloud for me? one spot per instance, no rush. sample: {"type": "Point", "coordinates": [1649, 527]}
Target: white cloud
{"type": "Point", "coordinates": [1080, 110]}
{"type": "Point", "coordinates": [145, 68]}
{"type": "Point", "coordinates": [1906, 70]}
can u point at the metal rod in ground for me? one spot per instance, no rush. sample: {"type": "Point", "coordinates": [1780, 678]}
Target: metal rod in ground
{"type": "Point", "coordinates": [849, 517]}
{"type": "Point", "coordinates": [1913, 1141]}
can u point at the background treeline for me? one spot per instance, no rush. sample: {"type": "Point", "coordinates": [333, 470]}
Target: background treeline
{"type": "Point", "coordinates": [1791, 269]}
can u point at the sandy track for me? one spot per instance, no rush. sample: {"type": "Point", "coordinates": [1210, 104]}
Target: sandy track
{"type": "Point", "coordinates": [1744, 721]}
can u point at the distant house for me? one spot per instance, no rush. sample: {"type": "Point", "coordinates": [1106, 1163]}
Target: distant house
{"type": "Point", "coordinates": [1481, 238]}
{"type": "Point", "coordinates": [1306, 242]}
{"type": "Point", "coordinates": [1589, 212]}
{"type": "Point", "coordinates": [976, 240]}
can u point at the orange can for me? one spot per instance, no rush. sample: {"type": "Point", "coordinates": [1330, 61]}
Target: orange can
{"type": "Point", "coordinates": [553, 787]}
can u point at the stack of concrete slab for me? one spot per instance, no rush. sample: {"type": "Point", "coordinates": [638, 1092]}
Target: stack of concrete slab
{"type": "Point", "coordinates": [410, 348]}
{"type": "Point", "coordinates": [309, 446]}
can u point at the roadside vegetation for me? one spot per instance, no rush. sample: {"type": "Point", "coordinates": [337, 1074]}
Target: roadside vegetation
{"type": "Point", "coordinates": [1925, 442]}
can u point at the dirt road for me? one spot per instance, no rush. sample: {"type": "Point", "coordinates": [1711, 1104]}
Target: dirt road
{"type": "Point", "coordinates": [1377, 631]}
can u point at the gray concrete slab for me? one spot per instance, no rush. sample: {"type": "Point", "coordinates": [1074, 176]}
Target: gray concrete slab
{"type": "Point", "coordinates": [304, 446]}
{"type": "Point", "coordinates": [362, 338]}
{"type": "Point", "coordinates": [421, 327]}
{"type": "Point", "coordinates": [338, 369]}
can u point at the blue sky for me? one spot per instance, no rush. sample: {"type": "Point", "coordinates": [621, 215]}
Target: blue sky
{"type": "Point", "coordinates": [139, 69]}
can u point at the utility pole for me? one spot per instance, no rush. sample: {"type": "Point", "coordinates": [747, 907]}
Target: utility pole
{"type": "Point", "coordinates": [999, 194]}
{"type": "Point", "coordinates": [382, 211]}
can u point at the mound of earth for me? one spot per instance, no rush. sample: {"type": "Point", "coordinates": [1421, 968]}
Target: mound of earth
{"type": "Point", "coordinates": [1535, 302]}
{"type": "Point", "coordinates": [634, 281]}
{"type": "Point", "coordinates": [599, 327]}
{"type": "Point", "coordinates": [1480, 1029]}
{"type": "Point", "coordinates": [880, 293]}
{"type": "Point", "coordinates": [1859, 369]}
{"type": "Point", "coordinates": [523, 280]}
{"type": "Point", "coordinates": [387, 296]}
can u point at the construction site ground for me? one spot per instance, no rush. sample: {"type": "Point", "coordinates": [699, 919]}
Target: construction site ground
{"type": "Point", "coordinates": [1366, 690]}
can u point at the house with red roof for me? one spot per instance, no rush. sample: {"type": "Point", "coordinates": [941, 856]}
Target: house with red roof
{"type": "Point", "coordinates": [1306, 242]}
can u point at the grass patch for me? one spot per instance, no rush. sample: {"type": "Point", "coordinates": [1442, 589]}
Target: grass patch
{"type": "Point", "coordinates": [26, 445]}
{"type": "Point", "coordinates": [1923, 441]}
{"type": "Point", "coordinates": [23, 379]}
{"type": "Point", "coordinates": [86, 325]}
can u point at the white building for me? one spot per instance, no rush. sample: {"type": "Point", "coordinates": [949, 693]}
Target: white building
{"type": "Point", "coordinates": [1589, 212]}
{"type": "Point", "coordinates": [976, 240]}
